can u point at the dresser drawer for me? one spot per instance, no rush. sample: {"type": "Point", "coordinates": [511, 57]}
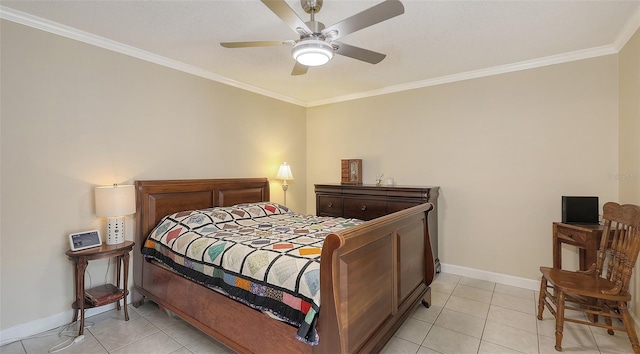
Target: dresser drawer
{"type": "Point", "coordinates": [364, 209]}
{"type": "Point", "coordinates": [329, 206]}
{"type": "Point", "coordinates": [392, 207]}
{"type": "Point", "coordinates": [572, 235]}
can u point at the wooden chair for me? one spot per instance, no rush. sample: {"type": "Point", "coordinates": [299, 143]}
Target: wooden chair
{"type": "Point", "coordinates": [594, 292]}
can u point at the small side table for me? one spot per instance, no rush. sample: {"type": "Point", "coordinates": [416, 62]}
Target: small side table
{"type": "Point", "coordinates": [585, 237]}
{"type": "Point", "coordinates": [103, 294]}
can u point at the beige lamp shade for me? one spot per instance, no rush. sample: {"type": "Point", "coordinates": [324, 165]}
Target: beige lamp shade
{"type": "Point", "coordinates": [116, 200]}
{"type": "Point", "coordinates": [284, 172]}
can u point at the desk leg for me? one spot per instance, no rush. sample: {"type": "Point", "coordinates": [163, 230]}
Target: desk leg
{"type": "Point", "coordinates": [81, 266]}
{"type": "Point", "coordinates": [125, 285]}
{"type": "Point", "coordinates": [557, 257]}
{"type": "Point", "coordinates": [585, 262]}
{"type": "Point", "coordinates": [589, 255]}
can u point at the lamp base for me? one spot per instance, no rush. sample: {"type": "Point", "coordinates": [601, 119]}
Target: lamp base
{"type": "Point", "coordinates": [115, 230]}
{"type": "Point", "coordinates": [285, 186]}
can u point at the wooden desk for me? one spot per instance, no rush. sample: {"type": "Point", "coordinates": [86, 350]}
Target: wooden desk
{"type": "Point", "coordinates": [104, 294]}
{"type": "Point", "coordinates": [585, 237]}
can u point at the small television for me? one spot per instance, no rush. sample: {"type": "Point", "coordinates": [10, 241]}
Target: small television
{"type": "Point", "coordinates": [580, 210]}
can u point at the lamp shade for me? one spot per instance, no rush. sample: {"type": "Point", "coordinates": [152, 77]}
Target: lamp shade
{"type": "Point", "coordinates": [116, 200]}
{"type": "Point", "coordinates": [284, 172]}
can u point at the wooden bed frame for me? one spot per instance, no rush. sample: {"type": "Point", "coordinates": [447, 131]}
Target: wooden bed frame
{"type": "Point", "coordinates": [371, 275]}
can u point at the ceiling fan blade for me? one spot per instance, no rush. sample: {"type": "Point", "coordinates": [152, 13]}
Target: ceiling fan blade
{"type": "Point", "coordinates": [287, 15]}
{"type": "Point", "coordinates": [299, 69]}
{"type": "Point", "coordinates": [376, 14]}
{"type": "Point", "coordinates": [253, 44]}
{"type": "Point", "coordinates": [365, 55]}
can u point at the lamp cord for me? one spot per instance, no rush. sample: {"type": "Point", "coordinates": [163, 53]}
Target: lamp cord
{"type": "Point", "coordinates": [62, 332]}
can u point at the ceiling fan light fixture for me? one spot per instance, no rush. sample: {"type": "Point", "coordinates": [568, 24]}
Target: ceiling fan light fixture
{"type": "Point", "coordinates": [312, 52]}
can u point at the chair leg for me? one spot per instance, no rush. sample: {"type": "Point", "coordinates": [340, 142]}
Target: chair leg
{"type": "Point", "coordinates": [608, 322]}
{"type": "Point", "coordinates": [542, 296]}
{"type": "Point", "coordinates": [629, 326]}
{"type": "Point", "coordinates": [559, 319]}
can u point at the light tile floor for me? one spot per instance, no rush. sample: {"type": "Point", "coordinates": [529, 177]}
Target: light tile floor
{"type": "Point", "coordinates": [467, 316]}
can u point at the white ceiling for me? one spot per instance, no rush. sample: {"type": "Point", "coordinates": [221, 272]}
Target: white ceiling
{"type": "Point", "coordinates": [432, 42]}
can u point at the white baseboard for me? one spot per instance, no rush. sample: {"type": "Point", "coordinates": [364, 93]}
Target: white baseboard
{"type": "Point", "coordinates": [503, 279]}
{"type": "Point", "coordinates": [26, 330]}
{"type": "Point", "coordinates": [530, 284]}
{"type": "Point", "coordinates": [48, 323]}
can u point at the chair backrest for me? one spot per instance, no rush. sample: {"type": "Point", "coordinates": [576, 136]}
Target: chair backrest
{"type": "Point", "coordinates": [620, 244]}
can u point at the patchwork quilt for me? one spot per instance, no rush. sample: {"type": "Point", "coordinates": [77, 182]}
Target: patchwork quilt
{"type": "Point", "coordinates": [261, 254]}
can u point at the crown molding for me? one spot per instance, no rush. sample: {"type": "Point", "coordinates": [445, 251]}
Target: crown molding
{"type": "Point", "coordinates": [474, 74]}
{"type": "Point", "coordinates": [630, 27]}
{"type": "Point", "coordinates": [621, 39]}
{"type": "Point", "coordinates": [75, 34]}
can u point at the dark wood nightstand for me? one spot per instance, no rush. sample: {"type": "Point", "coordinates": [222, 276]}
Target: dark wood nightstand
{"type": "Point", "coordinates": [103, 294]}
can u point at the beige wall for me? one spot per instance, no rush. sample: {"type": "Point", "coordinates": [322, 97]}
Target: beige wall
{"type": "Point", "coordinates": [628, 176]}
{"type": "Point", "coordinates": [504, 149]}
{"type": "Point", "coordinates": [75, 116]}
{"type": "Point", "coordinates": [629, 144]}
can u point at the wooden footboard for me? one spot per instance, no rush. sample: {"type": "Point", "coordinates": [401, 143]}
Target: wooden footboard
{"type": "Point", "coordinates": [372, 275]}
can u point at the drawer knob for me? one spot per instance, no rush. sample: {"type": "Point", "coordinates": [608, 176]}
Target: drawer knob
{"type": "Point", "coordinates": [363, 208]}
{"type": "Point", "coordinates": [329, 205]}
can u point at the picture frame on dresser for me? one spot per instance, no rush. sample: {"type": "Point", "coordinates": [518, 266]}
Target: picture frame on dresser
{"type": "Point", "coordinates": [351, 171]}
{"type": "Point", "coordinates": [369, 201]}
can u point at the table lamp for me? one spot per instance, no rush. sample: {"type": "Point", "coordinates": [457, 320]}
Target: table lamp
{"type": "Point", "coordinates": [114, 202]}
{"type": "Point", "coordinates": [284, 173]}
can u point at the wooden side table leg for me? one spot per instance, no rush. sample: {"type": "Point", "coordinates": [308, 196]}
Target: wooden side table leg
{"type": "Point", "coordinates": [81, 266]}
{"type": "Point", "coordinates": [76, 286]}
{"type": "Point", "coordinates": [118, 270]}
{"type": "Point", "coordinates": [125, 285]}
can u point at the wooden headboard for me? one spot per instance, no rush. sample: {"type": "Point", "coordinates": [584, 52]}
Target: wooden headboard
{"type": "Point", "coordinates": [159, 198]}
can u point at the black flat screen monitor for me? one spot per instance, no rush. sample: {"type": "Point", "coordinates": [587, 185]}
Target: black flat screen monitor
{"type": "Point", "coordinates": [580, 210]}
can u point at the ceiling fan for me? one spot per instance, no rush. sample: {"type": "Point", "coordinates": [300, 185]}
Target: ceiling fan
{"type": "Point", "coordinates": [317, 43]}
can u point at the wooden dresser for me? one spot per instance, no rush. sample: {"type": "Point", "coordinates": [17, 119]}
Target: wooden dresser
{"type": "Point", "coordinates": [367, 201]}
